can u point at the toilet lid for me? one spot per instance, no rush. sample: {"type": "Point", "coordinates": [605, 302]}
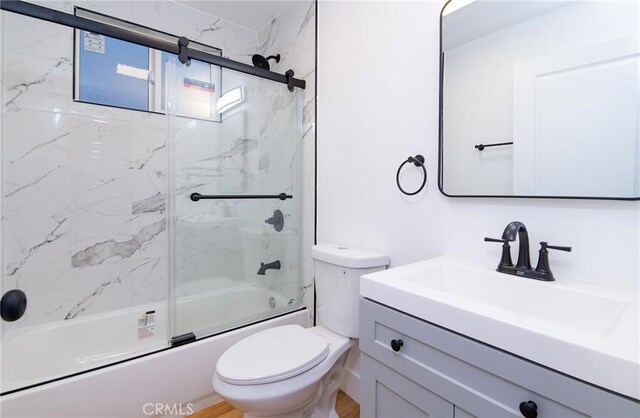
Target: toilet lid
{"type": "Point", "coordinates": [272, 355]}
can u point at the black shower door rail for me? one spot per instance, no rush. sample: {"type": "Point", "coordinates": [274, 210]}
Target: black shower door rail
{"type": "Point", "coordinates": [180, 47]}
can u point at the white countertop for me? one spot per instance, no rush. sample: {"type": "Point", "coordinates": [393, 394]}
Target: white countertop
{"type": "Point", "coordinates": [587, 331]}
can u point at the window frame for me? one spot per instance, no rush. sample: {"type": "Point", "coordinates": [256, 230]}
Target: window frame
{"type": "Point", "coordinates": [155, 66]}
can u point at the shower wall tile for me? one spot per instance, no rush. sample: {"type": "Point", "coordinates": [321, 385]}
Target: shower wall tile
{"type": "Point", "coordinates": [100, 191]}
{"type": "Point", "coordinates": [37, 191]}
{"type": "Point", "coordinates": [50, 143]}
{"type": "Point", "coordinates": [198, 27]}
{"type": "Point", "coordinates": [51, 295]}
{"type": "Point", "coordinates": [148, 192]}
{"type": "Point", "coordinates": [116, 238]}
{"type": "Point", "coordinates": [148, 150]}
{"type": "Point", "coordinates": [37, 245]}
{"type": "Point", "coordinates": [20, 38]}
{"type": "Point", "coordinates": [292, 34]}
{"type": "Point", "coordinates": [33, 82]}
{"type": "Point", "coordinates": [100, 142]}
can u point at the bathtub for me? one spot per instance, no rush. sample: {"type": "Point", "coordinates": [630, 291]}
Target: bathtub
{"type": "Point", "coordinates": [236, 304]}
{"type": "Point", "coordinates": [179, 378]}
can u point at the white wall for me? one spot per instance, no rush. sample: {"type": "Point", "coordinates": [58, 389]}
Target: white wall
{"type": "Point", "coordinates": [377, 104]}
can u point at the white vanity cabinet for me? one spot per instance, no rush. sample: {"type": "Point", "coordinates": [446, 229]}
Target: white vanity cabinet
{"type": "Point", "coordinates": [440, 373]}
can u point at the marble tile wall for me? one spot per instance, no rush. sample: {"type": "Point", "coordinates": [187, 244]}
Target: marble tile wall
{"type": "Point", "coordinates": [84, 186]}
{"type": "Point", "coordinates": [84, 228]}
{"type": "Point", "coordinates": [292, 34]}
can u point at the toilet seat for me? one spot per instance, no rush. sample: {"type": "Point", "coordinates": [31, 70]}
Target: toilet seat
{"type": "Point", "coordinates": [272, 355]}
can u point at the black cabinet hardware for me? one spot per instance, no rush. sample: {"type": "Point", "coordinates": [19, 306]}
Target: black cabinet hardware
{"type": "Point", "coordinates": [529, 409]}
{"type": "Point", "coordinates": [396, 345]}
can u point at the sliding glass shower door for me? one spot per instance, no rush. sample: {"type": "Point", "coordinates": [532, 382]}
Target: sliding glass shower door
{"type": "Point", "coordinates": [82, 225]}
{"type": "Point", "coordinates": [234, 212]}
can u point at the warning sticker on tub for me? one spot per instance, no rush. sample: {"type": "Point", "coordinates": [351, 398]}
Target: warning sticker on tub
{"type": "Point", "coordinates": [146, 324]}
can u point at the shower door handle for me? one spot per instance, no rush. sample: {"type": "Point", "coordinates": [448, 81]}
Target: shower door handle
{"type": "Point", "coordinates": [282, 196]}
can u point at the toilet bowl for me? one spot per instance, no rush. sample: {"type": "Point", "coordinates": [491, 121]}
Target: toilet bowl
{"type": "Point", "coordinates": [275, 394]}
{"type": "Point", "coordinates": [295, 372]}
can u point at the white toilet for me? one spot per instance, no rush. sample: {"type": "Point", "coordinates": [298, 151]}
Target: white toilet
{"type": "Point", "coordinates": [291, 371]}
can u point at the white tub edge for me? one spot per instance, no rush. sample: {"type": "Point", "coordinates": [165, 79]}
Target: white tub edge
{"type": "Point", "coordinates": [178, 376]}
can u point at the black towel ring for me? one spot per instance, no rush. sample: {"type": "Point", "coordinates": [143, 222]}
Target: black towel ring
{"type": "Point", "coordinates": [418, 161]}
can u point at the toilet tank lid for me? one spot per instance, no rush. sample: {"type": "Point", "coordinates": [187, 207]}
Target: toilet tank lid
{"type": "Point", "coordinates": [347, 256]}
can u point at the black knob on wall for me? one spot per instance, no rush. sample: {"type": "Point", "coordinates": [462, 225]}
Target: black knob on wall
{"type": "Point", "coordinates": [277, 220]}
{"type": "Point", "coordinates": [396, 345]}
{"type": "Point", "coordinates": [529, 409]}
{"type": "Point", "coordinates": [12, 305]}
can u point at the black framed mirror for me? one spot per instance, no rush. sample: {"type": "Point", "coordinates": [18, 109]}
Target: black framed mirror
{"type": "Point", "coordinates": [540, 99]}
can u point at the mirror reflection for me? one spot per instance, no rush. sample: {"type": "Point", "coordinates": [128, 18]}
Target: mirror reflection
{"type": "Point", "coordinates": [541, 98]}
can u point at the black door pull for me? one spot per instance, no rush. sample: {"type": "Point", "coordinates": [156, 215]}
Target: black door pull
{"type": "Point", "coordinates": [396, 345]}
{"type": "Point", "coordinates": [12, 305]}
{"type": "Point", "coordinates": [529, 409]}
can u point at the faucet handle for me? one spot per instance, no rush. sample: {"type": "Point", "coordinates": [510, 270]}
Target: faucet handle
{"type": "Point", "coordinates": [487, 239]}
{"type": "Point", "coordinates": [505, 259]}
{"type": "Point", "coordinates": [543, 267]}
{"type": "Point", "coordinates": [544, 245]}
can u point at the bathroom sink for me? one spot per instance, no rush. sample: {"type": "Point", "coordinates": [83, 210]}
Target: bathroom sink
{"type": "Point", "coordinates": [524, 298]}
{"type": "Point", "coordinates": [587, 331]}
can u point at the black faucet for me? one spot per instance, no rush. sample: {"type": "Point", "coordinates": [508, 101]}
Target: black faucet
{"type": "Point", "coordinates": [523, 266]}
{"type": "Point", "coordinates": [275, 265]}
{"type": "Point", "coordinates": [509, 234]}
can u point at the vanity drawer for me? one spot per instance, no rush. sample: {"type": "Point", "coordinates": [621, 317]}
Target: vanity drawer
{"type": "Point", "coordinates": [386, 393]}
{"type": "Point", "coordinates": [477, 378]}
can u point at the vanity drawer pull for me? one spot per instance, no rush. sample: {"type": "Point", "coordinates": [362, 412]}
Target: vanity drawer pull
{"type": "Point", "coordinates": [396, 345]}
{"type": "Point", "coordinates": [529, 409]}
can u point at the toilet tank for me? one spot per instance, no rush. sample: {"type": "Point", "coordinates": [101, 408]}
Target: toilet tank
{"type": "Point", "coordinates": [337, 276]}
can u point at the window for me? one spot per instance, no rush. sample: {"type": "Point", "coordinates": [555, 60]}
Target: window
{"type": "Point", "coordinates": [122, 74]}
{"type": "Point", "coordinates": [113, 72]}
{"type": "Point", "coordinates": [196, 88]}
